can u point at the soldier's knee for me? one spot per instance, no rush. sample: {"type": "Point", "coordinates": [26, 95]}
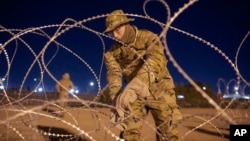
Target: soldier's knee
{"type": "Point", "coordinates": [176, 115]}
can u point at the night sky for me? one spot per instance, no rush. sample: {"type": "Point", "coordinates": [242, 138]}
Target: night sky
{"type": "Point", "coordinates": [223, 23]}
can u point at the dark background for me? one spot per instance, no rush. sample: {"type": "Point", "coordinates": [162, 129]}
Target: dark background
{"type": "Point", "coordinates": [221, 22]}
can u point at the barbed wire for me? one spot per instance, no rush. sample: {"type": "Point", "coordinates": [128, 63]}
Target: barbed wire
{"type": "Point", "coordinates": [17, 36]}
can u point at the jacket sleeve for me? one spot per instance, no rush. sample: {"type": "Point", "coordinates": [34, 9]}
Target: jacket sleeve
{"type": "Point", "coordinates": [154, 59]}
{"type": "Point", "coordinates": [114, 74]}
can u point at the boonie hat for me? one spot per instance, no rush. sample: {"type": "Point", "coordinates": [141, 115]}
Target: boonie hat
{"type": "Point", "coordinates": [115, 19]}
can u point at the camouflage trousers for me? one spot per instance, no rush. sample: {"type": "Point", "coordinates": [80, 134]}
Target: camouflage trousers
{"type": "Point", "coordinates": [63, 97]}
{"type": "Point", "coordinates": [166, 118]}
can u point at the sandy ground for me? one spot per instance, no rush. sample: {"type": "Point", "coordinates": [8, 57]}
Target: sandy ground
{"type": "Point", "coordinates": [34, 123]}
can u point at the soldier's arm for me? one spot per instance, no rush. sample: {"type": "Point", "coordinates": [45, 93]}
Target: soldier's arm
{"type": "Point", "coordinates": [154, 59]}
{"type": "Point", "coordinates": [114, 74]}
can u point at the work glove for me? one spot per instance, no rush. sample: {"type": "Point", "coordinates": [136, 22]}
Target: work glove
{"type": "Point", "coordinates": [116, 120]}
{"type": "Point", "coordinates": [134, 90]}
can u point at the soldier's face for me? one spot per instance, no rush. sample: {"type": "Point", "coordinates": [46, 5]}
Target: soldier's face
{"type": "Point", "coordinates": [118, 33]}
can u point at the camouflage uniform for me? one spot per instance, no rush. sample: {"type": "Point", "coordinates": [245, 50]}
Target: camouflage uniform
{"type": "Point", "coordinates": [63, 89]}
{"type": "Point", "coordinates": [142, 63]}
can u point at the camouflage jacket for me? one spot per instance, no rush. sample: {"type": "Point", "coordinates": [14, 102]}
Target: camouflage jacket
{"type": "Point", "coordinates": [143, 58]}
{"type": "Point", "coordinates": [66, 83]}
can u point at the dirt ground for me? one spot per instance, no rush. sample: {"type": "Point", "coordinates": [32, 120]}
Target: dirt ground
{"type": "Point", "coordinates": [79, 124]}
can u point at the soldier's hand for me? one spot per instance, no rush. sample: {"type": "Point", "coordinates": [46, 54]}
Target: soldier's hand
{"type": "Point", "coordinates": [135, 88]}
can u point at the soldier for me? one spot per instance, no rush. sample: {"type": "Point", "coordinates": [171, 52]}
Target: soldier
{"type": "Point", "coordinates": [63, 89]}
{"type": "Point", "coordinates": [138, 57]}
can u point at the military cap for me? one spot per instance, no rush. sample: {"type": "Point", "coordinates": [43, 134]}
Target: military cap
{"type": "Point", "coordinates": [115, 19]}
